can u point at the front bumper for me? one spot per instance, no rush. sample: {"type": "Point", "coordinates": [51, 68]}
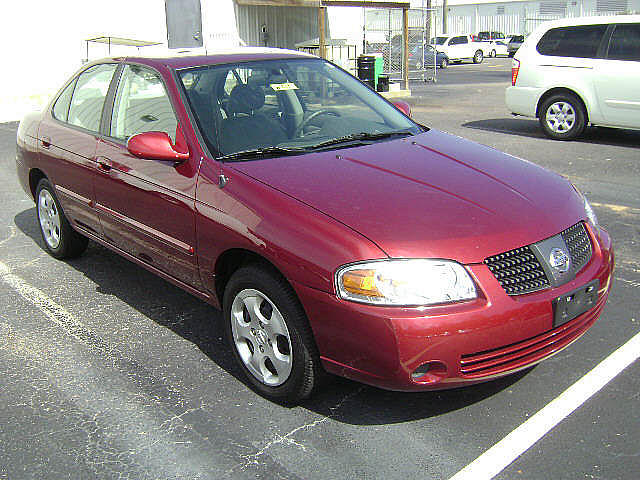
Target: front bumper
{"type": "Point", "coordinates": [464, 343]}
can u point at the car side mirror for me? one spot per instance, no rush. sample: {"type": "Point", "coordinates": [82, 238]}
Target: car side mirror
{"type": "Point", "coordinates": [157, 146]}
{"type": "Point", "coordinates": [403, 106]}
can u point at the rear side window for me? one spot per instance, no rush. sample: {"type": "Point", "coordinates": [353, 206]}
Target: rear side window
{"type": "Point", "coordinates": [625, 42]}
{"type": "Point", "coordinates": [61, 107]}
{"type": "Point", "coordinates": [88, 97]}
{"type": "Point", "coordinates": [581, 41]}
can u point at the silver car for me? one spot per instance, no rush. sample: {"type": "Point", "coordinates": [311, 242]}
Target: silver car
{"type": "Point", "coordinates": [514, 44]}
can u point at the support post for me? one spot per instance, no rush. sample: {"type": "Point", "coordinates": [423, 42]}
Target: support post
{"type": "Point", "coordinates": [445, 16]}
{"type": "Point", "coordinates": [321, 32]}
{"type": "Point", "coordinates": [405, 50]}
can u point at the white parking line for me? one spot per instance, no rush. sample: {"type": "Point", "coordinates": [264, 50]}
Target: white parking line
{"type": "Point", "coordinates": [503, 453]}
{"type": "Point", "coordinates": [55, 312]}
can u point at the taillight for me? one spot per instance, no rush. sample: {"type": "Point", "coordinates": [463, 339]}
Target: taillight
{"type": "Point", "coordinates": [515, 68]}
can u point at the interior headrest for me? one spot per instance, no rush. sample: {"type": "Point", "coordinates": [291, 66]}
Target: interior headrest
{"type": "Point", "coordinates": [246, 99]}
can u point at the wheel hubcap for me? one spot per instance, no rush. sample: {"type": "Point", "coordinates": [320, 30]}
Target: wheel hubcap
{"type": "Point", "coordinates": [49, 219]}
{"type": "Point", "coordinates": [261, 337]}
{"type": "Point", "coordinates": [561, 117]}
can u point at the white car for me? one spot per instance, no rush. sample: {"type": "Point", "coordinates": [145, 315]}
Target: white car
{"type": "Point", "coordinates": [460, 47]}
{"type": "Point", "coordinates": [576, 72]}
{"type": "Point", "coordinates": [494, 48]}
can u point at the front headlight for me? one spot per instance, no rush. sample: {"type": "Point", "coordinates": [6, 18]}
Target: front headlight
{"type": "Point", "coordinates": [405, 282]}
{"type": "Point", "coordinates": [591, 215]}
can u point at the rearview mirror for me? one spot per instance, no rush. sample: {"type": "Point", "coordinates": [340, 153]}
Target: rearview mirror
{"type": "Point", "coordinates": [156, 146]}
{"type": "Point", "coordinates": [403, 106]}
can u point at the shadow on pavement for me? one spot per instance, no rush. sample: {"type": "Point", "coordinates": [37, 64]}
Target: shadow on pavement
{"type": "Point", "coordinates": [199, 323]}
{"type": "Point", "coordinates": [527, 127]}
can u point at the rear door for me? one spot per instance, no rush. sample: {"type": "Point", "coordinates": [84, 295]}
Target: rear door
{"type": "Point", "coordinates": [146, 206]}
{"type": "Point", "coordinates": [67, 143]}
{"type": "Point", "coordinates": [617, 77]}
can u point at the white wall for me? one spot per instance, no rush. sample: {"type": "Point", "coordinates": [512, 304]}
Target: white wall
{"type": "Point", "coordinates": [42, 41]}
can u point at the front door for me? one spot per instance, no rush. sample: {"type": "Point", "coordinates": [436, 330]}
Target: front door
{"type": "Point", "coordinates": [146, 206]}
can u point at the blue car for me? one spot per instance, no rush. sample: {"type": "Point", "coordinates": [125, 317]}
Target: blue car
{"type": "Point", "coordinates": [419, 59]}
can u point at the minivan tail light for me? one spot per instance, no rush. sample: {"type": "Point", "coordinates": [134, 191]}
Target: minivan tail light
{"type": "Point", "coordinates": [515, 68]}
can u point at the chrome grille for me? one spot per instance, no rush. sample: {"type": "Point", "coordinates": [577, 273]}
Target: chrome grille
{"type": "Point", "coordinates": [579, 246]}
{"type": "Point", "coordinates": [518, 271]}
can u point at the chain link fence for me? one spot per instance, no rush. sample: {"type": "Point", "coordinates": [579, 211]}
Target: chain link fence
{"type": "Point", "coordinates": [383, 36]}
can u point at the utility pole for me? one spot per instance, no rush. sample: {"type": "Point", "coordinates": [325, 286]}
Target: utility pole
{"type": "Point", "coordinates": [445, 14]}
{"type": "Point", "coordinates": [428, 23]}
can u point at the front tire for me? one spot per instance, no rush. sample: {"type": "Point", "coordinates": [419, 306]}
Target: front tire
{"type": "Point", "coordinates": [562, 117]}
{"type": "Point", "coordinates": [270, 336]}
{"type": "Point", "coordinates": [60, 239]}
{"type": "Point", "coordinates": [493, 54]}
{"type": "Point", "coordinates": [478, 57]}
{"type": "Point", "coordinates": [444, 63]}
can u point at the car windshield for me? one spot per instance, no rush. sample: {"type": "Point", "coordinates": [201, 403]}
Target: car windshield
{"type": "Point", "coordinates": [439, 40]}
{"type": "Point", "coordinates": [277, 107]}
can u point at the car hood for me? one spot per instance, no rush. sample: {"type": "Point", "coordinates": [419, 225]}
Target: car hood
{"type": "Point", "coordinates": [433, 195]}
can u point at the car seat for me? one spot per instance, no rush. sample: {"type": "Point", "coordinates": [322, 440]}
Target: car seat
{"type": "Point", "coordinates": [246, 127]}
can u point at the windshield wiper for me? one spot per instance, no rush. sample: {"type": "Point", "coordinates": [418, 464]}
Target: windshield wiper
{"type": "Point", "coordinates": [262, 152]}
{"type": "Point", "coordinates": [362, 136]}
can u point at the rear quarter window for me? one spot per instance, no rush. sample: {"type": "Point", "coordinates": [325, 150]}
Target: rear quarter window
{"type": "Point", "coordinates": [625, 43]}
{"type": "Point", "coordinates": [61, 107]}
{"type": "Point", "coordinates": [579, 41]}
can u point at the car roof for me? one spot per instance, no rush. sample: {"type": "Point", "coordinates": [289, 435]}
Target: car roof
{"type": "Point", "coordinates": [239, 54]}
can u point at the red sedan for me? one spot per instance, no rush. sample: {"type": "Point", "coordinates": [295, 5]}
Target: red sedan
{"type": "Point", "coordinates": [336, 234]}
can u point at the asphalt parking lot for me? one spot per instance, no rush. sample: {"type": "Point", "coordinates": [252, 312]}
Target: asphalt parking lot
{"type": "Point", "coordinates": [107, 371]}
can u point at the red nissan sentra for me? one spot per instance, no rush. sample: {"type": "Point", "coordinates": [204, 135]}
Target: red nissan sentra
{"type": "Point", "coordinates": [336, 234]}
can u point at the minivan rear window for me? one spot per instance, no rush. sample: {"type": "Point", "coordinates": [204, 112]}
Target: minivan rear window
{"type": "Point", "coordinates": [579, 41]}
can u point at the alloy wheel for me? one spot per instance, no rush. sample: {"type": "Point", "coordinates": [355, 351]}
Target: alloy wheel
{"type": "Point", "coordinates": [261, 337]}
{"type": "Point", "coordinates": [560, 117]}
{"type": "Point", "coordinates": [49, 218]}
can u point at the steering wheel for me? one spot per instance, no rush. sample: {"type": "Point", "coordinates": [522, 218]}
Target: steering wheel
{"type": "Point", "coordinates": [306, 121]}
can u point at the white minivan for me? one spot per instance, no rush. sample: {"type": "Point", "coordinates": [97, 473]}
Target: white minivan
{"type": "Point", "coordinates": [576, 72]}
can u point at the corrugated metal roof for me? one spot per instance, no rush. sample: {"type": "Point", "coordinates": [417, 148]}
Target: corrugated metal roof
{"type": "Point", "coordinates": [327, 3]}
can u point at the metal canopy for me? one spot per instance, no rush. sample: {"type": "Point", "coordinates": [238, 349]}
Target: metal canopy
{"type": "Point", "coordinates": [129, 42]}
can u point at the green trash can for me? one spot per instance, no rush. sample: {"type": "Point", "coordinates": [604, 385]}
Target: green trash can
{"type": "Point", "coordinates": [378, 68]}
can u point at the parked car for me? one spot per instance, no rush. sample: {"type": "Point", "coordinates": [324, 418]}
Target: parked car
{"type": "Point", "coordinates": [514, 44]}
{"type": "Point", "coordinates": [459, 48]}
{"type": "Point", "coordinates": [577, 72]}
{"type": "Point", "coordinates": [484, 36]}
{"type": "Point", "coordinates": [495, 48]}
{"type": "Point", "coordinates": [421, 57]}
{"type": "Point", "coordinates": [335, 233]}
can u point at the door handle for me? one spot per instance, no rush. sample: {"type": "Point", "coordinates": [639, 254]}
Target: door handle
{"type": "Point", "coordinates": [104, 164]}
{"type": "Point", "coordinates": [45, 141]}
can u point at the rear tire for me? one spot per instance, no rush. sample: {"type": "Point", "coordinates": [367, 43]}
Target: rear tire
{"type": "Point", "coordinates": [269, 334]}
{"type": "Point", "coordinates": [493, 54]}
{"type": "Point", "coordinates": [562, 117]}
{"type": "Point", "coordinates": [59, 237]}
{"type": "Point", "coordinates": [478, 57]}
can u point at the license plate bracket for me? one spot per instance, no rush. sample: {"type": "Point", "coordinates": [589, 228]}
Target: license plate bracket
{"type": "Point", "coordinates": [572, 304]}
